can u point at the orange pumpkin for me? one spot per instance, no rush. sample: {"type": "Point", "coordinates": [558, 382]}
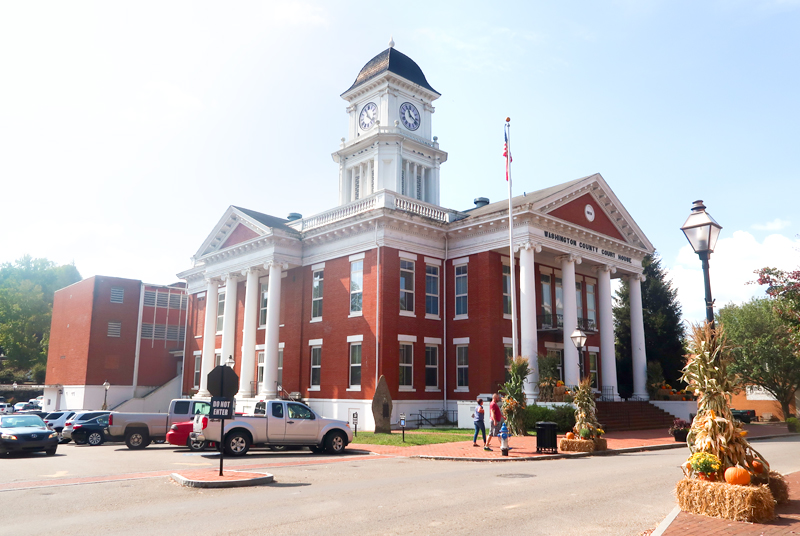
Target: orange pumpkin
{"type": "Point", "coordinates": [757, 466]}
{"type": "Point", "coordinates": [737, 475]}
{"type": "Point", "coordinates": [570, 435]}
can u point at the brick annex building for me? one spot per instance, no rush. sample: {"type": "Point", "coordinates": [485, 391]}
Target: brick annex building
{"type": "Point", "coordinates": [123, 331]}
{"type": "Point", "coordinates": [391, 283]}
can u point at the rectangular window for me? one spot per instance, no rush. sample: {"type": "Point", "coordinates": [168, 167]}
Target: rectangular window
{"type": "Point", "coordinates": [406, 365]}
{"type": "Point", "coordinates": [217, 358]}
{"type": "Point", "coordinates": [462, 367]}
{"type": "Point", "coordinates": [355, 365]}
{"type": "Point", "coordinates": [159, 332]}
{"type": "Point", "coordinates": [461, 290]}
{"type": "Point", "coordinates": [509, 351]}
{"type": "Point", "coordinates": [262, 311]}
{"type": "Point", "coordinates": [147, 331]}
{"type": "Point", "coordinates": [431, 367]}
{"type": "Point", "coordinates": [593, 369]}
{"type": "Point", "coordinates": [115, 329]}
{"type": "Point", "coordinates": [260, 373]}
{"type": "Point", "coordinates": [162, 299]}
{"type": "Point", "coordinates": [316, 294]}
{"type": "Point", "coordinates": [558, 354]}
{"type": "Point", "coordinates": [316, 365]}
{"type": "Point", "coordinates": [579, 300]}
{"type": "Point", "coordinates": [406, 285]}
{"type": "Point", "coordinates": [220, 310]}
{"type": "Point", "coordinates": [547, 302]}
{"type": "Point", "coordinates": [175, 301]}
{"type": "Point", "coordinates": [591, 308]}
{"type": "Point", "coordinates": [432, 290]}
{"type": "Point", "coordinates": [356, 285]}
{"type": "Point", "coordinates": [198, 360]}
{"type": "Point", "coordinates": [506, 290]}
{"type": "Point", "coordinates": [280, 367]}
{"type": "Point", "coordinates": [173, 332]}
{"type": "Point", "coordinates": [559, 302]}
{"type": "Point", "coordinates": [117, 294]}
{"type": "Point", "coordinates": [149, 298]}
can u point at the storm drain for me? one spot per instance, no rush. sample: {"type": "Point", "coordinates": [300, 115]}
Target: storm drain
{"type": "Point", "coordinates": [516, 475]}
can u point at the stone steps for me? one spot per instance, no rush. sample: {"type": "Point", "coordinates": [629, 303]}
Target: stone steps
{"type": "Point", "coordinates": [618, 416]}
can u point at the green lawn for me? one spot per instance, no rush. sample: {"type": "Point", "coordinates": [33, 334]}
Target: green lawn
{"type": "Point", "coordinates": [423, 436]}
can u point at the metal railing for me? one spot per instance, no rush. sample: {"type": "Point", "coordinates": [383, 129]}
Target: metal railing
{"type": "Point", "coordinates": [607, 393]}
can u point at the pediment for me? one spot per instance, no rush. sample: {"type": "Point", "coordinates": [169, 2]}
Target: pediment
{"type": "Point", "coordinates": [590, 203]}
{"type": "Point", "coordinates": [236, 226]}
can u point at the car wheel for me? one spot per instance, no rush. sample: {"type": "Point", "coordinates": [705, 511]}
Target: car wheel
{"type": "Point", "coordinates": [335, 442]}
{"type": "Point", "coordinates": [79, 441]}
{"type": "Point", "coordinates": [159, 441]}
{"type": "Point", "coordinates": [63, 440]}
{"type": "Point", "coordinates": [316, 449]}
{"type": "Point", "coordinates": [237, 444]}
{"type": "Point", "coordinates": [50, 452]}
{"type": "Point", "coordinates": [278, 448]}
{"type": "Point", "coordinates": [196, 446]}
{"type": "Point", "coordinates": [137, 439]}
{"type": "Point", "coordinates": [94, 439]}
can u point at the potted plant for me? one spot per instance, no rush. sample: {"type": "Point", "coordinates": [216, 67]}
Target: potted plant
{"type": "Point", "coordinates": [705, 465]}
{"type": "Point", "coordinates": [680, 429]}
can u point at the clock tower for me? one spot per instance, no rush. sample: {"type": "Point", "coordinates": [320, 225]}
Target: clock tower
{"type": "Point", "coordinates": [389, 144]}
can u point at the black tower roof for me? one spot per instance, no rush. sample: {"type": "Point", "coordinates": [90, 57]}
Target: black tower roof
{"type": "Point", "coordinates": [395, 62]}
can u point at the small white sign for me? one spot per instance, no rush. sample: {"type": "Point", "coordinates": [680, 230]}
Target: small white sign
{"type": "Point", "coordinates": [755, 392]}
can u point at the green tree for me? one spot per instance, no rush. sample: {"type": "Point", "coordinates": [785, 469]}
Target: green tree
{"type": "Point", "coordinates": [762, 349]}
{"type": "Point", "coordinates": [663, 330]}
{"type": "Point", "coordinates": [784, 289]}
{"type": "Point", "coordinates": [27, 287]}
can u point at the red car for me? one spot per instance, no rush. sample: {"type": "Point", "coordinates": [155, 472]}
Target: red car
{"type": "Point", "coordinates": [179, 435]}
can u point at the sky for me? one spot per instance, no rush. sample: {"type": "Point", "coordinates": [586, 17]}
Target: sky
{"type": "Point", "coordinates": [128, 128]}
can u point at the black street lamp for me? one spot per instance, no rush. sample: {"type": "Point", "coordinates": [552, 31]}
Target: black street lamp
{"type": "Point", "coordinates": [106, 385]}
{"type": "Point", "coordinates": [579, 340]}
{"type": "Point", "coordinates": [702, 232]}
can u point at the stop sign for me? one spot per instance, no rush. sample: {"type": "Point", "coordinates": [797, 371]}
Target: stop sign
{"type": "Point", "coordinates": [223, 381]}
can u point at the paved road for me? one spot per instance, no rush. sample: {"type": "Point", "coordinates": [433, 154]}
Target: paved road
{"type": "Point", "coordinates": [352, 494]}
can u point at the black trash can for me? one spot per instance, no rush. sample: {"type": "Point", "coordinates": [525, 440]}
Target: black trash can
{"type": "Point", "coordinates": [546, 437]}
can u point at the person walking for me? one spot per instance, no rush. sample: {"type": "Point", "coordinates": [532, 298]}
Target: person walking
{"type": "Point", "coordinates": [477, 419]}
{"type": "Point", "coordinates": [497, 419]}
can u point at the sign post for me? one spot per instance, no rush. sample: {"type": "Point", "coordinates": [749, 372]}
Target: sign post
{"type": "Point", "coordinates": [355, 423]}
{"type": "Point", "coordinates": [403, 425]}
{"type": "Point", "coordinates": [223, 384]}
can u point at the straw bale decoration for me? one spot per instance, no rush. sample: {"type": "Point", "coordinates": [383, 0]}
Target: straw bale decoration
{"type": "Point", "coordinates": [587, 431]}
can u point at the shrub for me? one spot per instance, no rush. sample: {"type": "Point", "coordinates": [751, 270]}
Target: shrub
{"type": "Point", "coordinates": [793, 424]}
{"type": "Point", "coordinates": [563, 416]}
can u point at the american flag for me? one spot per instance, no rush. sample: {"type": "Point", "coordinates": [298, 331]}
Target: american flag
{"type": "Point", "coordinates": [506, 152]}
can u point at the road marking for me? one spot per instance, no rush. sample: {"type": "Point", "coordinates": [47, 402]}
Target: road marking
{"type": "Point", "coordinates": [58, 474]}
{"type": "Point", "coordinates": [194, 464]}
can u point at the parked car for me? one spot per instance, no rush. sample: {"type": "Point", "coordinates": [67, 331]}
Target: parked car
{"type": "Point", "coordinates": [139, 429]}
{"type": "Point", "coordinates": [92, 432]}
{"type": "Point", "coordinates": [78, 418]}
{"type": "Point", "coordinates": [179, 435]}
{"type": "Point", "coordinates": [744, 415]}
{"type": "Point", "coordinates": [55, 419]}
{"type": "Point", "coordinates": [285, 423]}
{"type": "Point", "coordinates": [19, 406]}
{"type": "Point", "coordinates": [6, 409]}
{"type": "Point", "coordinates": [26, 433]}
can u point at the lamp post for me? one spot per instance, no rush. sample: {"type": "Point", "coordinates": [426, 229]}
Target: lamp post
{"type": "Point", "coordinates": [702, 232]}
{"type": "Point", "coordinates": [579, 340]}
{"type": "Point", "coordinates": [106, 385]}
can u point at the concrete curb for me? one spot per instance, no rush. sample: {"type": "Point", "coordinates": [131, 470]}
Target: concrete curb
{"type": "Point", "coordinates": [664, 525]}
{"type": "Point", "coordinates": [243, 482]}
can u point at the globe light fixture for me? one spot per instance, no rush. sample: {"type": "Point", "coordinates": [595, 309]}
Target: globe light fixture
{"type": "Point", "coordinates": [579, 340]}
{"type": "Point", "coordinates": [702, 231]}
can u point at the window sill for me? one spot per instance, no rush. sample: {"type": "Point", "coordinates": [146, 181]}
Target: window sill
{"type": "Point", "coordinates": [461, 317]}
{"type": "Point", "coordinates": [315, 320]}
{"type": "Point", "coordinates": [406, 390]}
{"type": "Point", "coordinates": [198, 336]}
{"type": "Point", "coordinates": [356, 388]}
{"type": "Point", "coordinates": [433, 317]}
{"type": "Point", "coordinates": [507, 317]}
{"type": "Point", "coordinates": [461, 390]}
{"type": "Point", "coordinates": [315, 388]}
{"type": "Point", "coordinates": [355, 314]}
{"type": "Point", "coordinates": [263, 326]}
{"type": "Point", "coordinates": [408, 313]}
{"type": "Point", "coordinates": [432, 390]}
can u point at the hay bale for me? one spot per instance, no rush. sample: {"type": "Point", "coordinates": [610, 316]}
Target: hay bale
{"type": "Point", "coordinates": [778, 487]}
{"type": "Point", "coordinates": [600, 444]}
{"type": "Point", "coordinates": [753, 504]}
{"type": "Point", "coordinates": [576, 445]}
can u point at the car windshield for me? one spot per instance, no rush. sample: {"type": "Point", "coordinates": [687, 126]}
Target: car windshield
{"type": "Point", "coordinates": [201, 408]}
{"type": "Point", "coordinates": [53, 416]}
{"type": "Point", "coordinates": [22, 421]}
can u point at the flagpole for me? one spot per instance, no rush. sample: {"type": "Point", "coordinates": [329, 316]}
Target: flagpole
{"type": "Point", "coordinates": [513, 270]}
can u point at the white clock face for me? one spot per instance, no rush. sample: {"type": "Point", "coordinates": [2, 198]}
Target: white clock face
{"type": "Point", "coordinates": [588, 211]}
{"type": "Point", "coordinates": [409, 116]}
{"type": "Point", "coordinates": [369, 113]}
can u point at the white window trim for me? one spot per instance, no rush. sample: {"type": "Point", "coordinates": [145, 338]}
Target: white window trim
{"type": "Point", "coordinates": [315, 342]}
{"type": "Point", "coordinates": [506, 261]}
{"type": "Point", "coordinates": [413, 290]}
{"type": "Point", "coordinates": [312, 321]}
{"type": "Point", "coordinates": [593, 349]}
{"type": "Point", "coordinates": [353, 338]}
{"type": "Point", "coordinates": [406, 255]}
{"type": "Point", "coordinates": [262, 346]}
{"type": "Point", "coordinates": [432, 261]}
{"type": "Point", "coordinates": [508, 340]}
{"type": "Point", "coordinates": [461, 390]}
{"type": "Point", "coordinates": [356, 257]}
{"type": "Point", "coordinates": [316, 318]}
{"type": "Point", "coordinates": [438, 289]}
{"type": "Point", "coordinates": [507, 317]}
{"type": "Point", "coordinates": [310, 356]}
{"type": "Point", "coordinates": [554, 345]}
{"type": "Point", "coordinates": [462, 340]}
{"type": "Point", "coordinates": [201, 295]}
{"type": "Point", "coordinates": [356, 389]}
{"type": "Point", "coordinates": [460, 261]}
{"type": "Point", "coordinates": [355, 314]}
{"type": "Point", "coordinates": [432, 390]}
{"type": "Point", "coordinates": [317, 267]}
{"type": "Point", "coordinates": [406, 338]}
{"type": "Point", "coordinates": [407, 389]}
{"type": "Point", "coordinates": [433, 340]}
{"type": "Point", "coordinates": [432, 317]}
{"type": "Point", "coordinates": [350, 289]}
{"type": "Point", "coordinates": [314, 388]}
{"type": "Point", "coordinates": [411, 314]}
{"type": "Point", "coordinates": [545, 270]}
{"type": "Point", "coordinates": [282, 345]}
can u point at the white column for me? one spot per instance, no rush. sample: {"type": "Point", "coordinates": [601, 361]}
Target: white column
{"type": "Point", "coordinates": [637, 338]}
{"type": "Point", "coordinates": [529, 346]}
{"type": "Point", "coordinates": [209, 336]}
{"type": "Point", "coordinates": [229, 318]}
{"type": "Point", "coordinates": [414, 182]}
{"type": "Point", "coordinates": [608, 354]}
{"type": "Point", "coordinates": [571, 366]}
{"type": "Point", "coordinates": [269, 389]}
{"type": "Point", "coordinates": [424, 188]}
{"type": "Point", "coordinates": [404, 190]}
{"type": "Point", "coordinates": [251, 300]}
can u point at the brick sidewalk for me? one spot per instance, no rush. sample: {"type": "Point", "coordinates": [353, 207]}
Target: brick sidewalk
{"type": "Point", "coordinates": [787, 522]}
{"type": "Point", "coordinates": [525, 447]}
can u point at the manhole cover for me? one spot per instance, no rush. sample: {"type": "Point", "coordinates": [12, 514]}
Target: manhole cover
{"type": "Point", "coordinates": [516, 475]}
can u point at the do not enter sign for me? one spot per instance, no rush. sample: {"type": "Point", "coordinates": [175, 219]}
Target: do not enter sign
{"type": "Point", "coordinates": [223, 382]}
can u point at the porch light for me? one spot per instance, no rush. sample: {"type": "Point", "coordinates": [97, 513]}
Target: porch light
{"type": "Point", "coordinates": [578, 338]}
{"type": "Point", "coordinates": [701, 229]}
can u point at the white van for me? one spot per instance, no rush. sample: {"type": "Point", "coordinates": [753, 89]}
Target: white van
{"type": "Point", "coordinates": [6, 409]}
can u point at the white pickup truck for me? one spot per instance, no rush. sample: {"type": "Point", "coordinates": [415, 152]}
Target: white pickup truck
{"type": "Point", "coordinates": [283, 423]}
{"type": "Point", "coordinates": [139, 429]}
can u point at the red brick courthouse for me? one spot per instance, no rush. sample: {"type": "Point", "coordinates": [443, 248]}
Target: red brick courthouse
{"type": "Point", "coordinates": [391, 283]}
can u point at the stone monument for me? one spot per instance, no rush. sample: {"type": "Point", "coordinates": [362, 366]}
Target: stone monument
{"type": "Point", "coordinates": [382, 408]}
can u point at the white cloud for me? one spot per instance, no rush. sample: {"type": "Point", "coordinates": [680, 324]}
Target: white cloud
{"type": "Point", "coordinates": [158, 102]}
{"type": "Point", "coordinates": [775, 225]}
{"type": "Point", "coordinates": [731, 270]}
{"type": "Point", "coordinates": [298, 13]}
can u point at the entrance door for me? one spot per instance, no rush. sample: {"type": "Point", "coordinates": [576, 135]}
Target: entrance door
{"type": "Point", "coordinates": [301, 425]}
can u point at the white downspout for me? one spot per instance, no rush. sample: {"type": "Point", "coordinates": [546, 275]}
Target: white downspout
{"type": "Point", "coordinates": [138, 340]}
{"type": "Point", "coordinates": [444, 316]}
